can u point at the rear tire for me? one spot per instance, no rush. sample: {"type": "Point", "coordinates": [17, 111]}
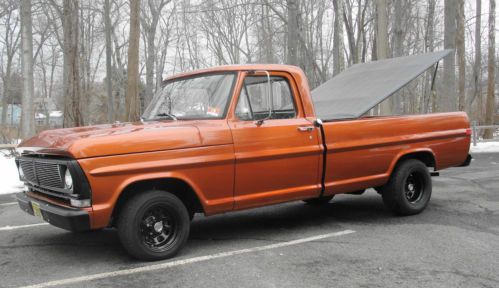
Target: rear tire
{"type": "Point", "coordinates": [409, 189]}
{"type": "Point", "coordinates": [153, 225]}
{"type": "Point", "coordinates": [319, 201]}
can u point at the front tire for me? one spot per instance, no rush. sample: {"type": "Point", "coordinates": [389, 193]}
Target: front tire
{"type": "Point", "coordinates": [153, 225]}
{"type": "Point", "coordinates": [408, 191]}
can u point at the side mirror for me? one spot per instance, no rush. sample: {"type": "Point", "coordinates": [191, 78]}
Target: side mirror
{"type": "Point", "coordinates": [318, 123]}
{"type": "Point", "coordinates": [270, 97]}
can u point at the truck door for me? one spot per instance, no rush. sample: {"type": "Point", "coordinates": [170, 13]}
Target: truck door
{"type": "Point", "coordinates": [277, 152]}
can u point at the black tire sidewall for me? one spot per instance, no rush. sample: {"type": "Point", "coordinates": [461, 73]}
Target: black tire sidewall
{"type": "Point", "coordinates": [132, 214]}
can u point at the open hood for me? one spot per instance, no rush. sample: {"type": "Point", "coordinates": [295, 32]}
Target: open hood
{"type": "Point", "coordinates": [362, 86]}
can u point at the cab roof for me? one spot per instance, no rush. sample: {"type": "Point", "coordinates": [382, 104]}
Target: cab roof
{"type": "Point", "coordinates": [239, 67]}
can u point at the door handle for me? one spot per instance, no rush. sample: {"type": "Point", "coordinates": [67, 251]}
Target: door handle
{"type": "Point", "coordinates": [305, 128]}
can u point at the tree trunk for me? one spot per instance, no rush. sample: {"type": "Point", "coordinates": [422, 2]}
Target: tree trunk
{"type": "Point", "coordinates": [292, 56]}
{"type": "Point", "coordinates": [461, 55]}
{"type": "Point", "coordinates": [109, 55]}
{"type": "Point", "coordinates": [72, 113]}
{"type": "Point", "coordinates": [151, 55]}
{"type": "Point", "coordinates": [381, 29]}
{"type": "Point", "coordinates": [150, 31]}
{"type": "Point", "coordinates": [132, 111]}
{"type": "Point", "coordinates": [382, 45]}
{"type": "Point", "coordinates": [10, 46]}
{"type": "Point", "coordinates": [429, 47]}
{"type": "Point", "coordinates": [267, 35]}
{"type": "Point", "coordinates": [477, 66]}
{"type": "Point", "coordinates": [398, 51]}
{"type": "Point", "coordinates": [28, 113]}
{"type": "Point", "coordinates": [447, 98]}
{"type": "Point", "coordinates": [338, 57]}
{"type": "Point", "coordinates": [5, 96]}
{"type": "Point", "coordinates": [398, 29]}
{"type": "Point", "coordinates": [360, 31]}
{"type": "Point", "coordinates": [490, 108]}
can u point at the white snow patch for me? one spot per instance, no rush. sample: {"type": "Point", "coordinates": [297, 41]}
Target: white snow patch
{"type": "Point", "coordinates": [9, 178]}
{"type": "Point", "coordinates": [40, 116]}
{"type": "Point", "coordinates": [485, 147]}
{"type": "Point", "coordinates": [56, 114]}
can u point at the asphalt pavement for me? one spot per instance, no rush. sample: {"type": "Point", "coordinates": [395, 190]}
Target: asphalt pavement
{"type": "Point", "coordinates": [351, 242]}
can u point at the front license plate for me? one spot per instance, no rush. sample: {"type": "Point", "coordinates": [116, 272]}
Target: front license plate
{"type": "Point", "coordinates": [36, 209]}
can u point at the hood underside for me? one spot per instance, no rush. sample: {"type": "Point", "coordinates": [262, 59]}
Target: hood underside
{"type": "Point", "coordinates": [362, 86]}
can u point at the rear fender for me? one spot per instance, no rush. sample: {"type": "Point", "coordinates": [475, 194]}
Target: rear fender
{"type": "Point", "coordinates": [413, 153]}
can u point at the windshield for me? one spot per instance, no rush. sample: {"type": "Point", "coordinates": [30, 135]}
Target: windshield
{"type": "Point", "coordinates": [199, 97]}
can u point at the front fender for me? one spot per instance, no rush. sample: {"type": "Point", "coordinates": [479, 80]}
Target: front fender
{"type": "Point", "coordinates": [209, 171]}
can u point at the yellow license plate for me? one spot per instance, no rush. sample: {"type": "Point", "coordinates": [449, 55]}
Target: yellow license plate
{"type": "Point", "coordinates": [36, 209]}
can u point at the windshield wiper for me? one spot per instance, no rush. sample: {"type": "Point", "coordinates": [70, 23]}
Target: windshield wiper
{"type": "Point", "coordinates": [171, 116]}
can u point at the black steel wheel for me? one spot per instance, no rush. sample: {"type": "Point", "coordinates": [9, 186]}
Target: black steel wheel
{"type": "Point", "coordinates": [153, 225]}
{"type": "Point", "coordinates": [158, 228]}
{"type": "Point", "coordinates": [408, 191]}
{"type": "Point", "coordinates": [414, 187]}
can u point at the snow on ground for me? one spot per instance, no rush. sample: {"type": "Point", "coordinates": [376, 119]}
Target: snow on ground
{"type": "Point", "coordinates": [9, 180]}
{"type": "Point", "coordinates": [485, 147]}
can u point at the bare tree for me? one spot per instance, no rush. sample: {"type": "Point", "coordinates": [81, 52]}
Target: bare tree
{"type": "Point", "coordinates": [491, 105]}
{"type": "Point", "coordinates": [398, 28]}
{"type": "Point", "coordinates": [90, 54]}
{"type": "Point", "coordinates": [382, 44]}
{"type": "Point", "coordinates": [132, 109]}
{"type": "Point", "coordinates": [400, 6]}
{"type": "Point", "coordinates": [292, 24]}
{"type": "Point", "coordinates": [28, 113]}
{"type": "Point", "coordinates": [227, 27]}
{"type": "Point", "coordinates": [119, 36]}
{"type": "Point", "coordinates": [10, 43]}
{"type": "Point", "coordinates": [381, 29]}
{"type": "Point", "coordinates": [429, 47]}
{"type": "Point", "coordinates": [186, 35]}
{"type": "Point", "coordinates": [266, 33]}
{"type": "Point", "coordinates": [446, 102]}
{"type": "Point", "coordinates": [477, 65]}
{"type": "Point", "coordinates": [72, 113]}
{"type": "Point", "coordinates": [355, 29]}
{"type": "Point", "coordinates": [149, 19]}
{"type": "Point", "coordinates": [109, 48]}
{"type": "Point", "coordinates": [338, 53]}
{"type": "Point", "coordinates": [461, 55]}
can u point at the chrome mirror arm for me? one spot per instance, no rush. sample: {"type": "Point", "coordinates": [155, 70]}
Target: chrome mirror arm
{"type": "Point", "coordinates": [270, 97]}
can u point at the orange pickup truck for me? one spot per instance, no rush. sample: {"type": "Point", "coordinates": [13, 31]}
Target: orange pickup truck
{"type": "Point", "coordinates": [237, 137]}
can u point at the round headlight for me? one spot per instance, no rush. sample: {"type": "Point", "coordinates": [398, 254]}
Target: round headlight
{"type": "Point", "coordinates": [21, 172]}
{"type": "Point", "coordinates": [68, 180]}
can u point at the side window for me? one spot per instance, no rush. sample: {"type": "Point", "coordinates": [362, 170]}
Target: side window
{"type": "Point", "coordinates": [253, 101]}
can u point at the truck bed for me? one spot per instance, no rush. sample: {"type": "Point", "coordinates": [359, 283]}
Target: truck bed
{"type": "Point", "coordinates": [361, 153]}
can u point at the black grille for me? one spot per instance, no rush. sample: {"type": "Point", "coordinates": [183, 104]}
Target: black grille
{"type": "Point", "coordinates": [28, 170]}
{"type": "Point", "coordinates": [44, 174]}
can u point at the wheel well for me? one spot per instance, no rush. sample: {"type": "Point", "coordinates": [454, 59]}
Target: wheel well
{"type": "Point", "coordinates": [426, 157]}
{"type": "Point", "coordinates": [175, 186]}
